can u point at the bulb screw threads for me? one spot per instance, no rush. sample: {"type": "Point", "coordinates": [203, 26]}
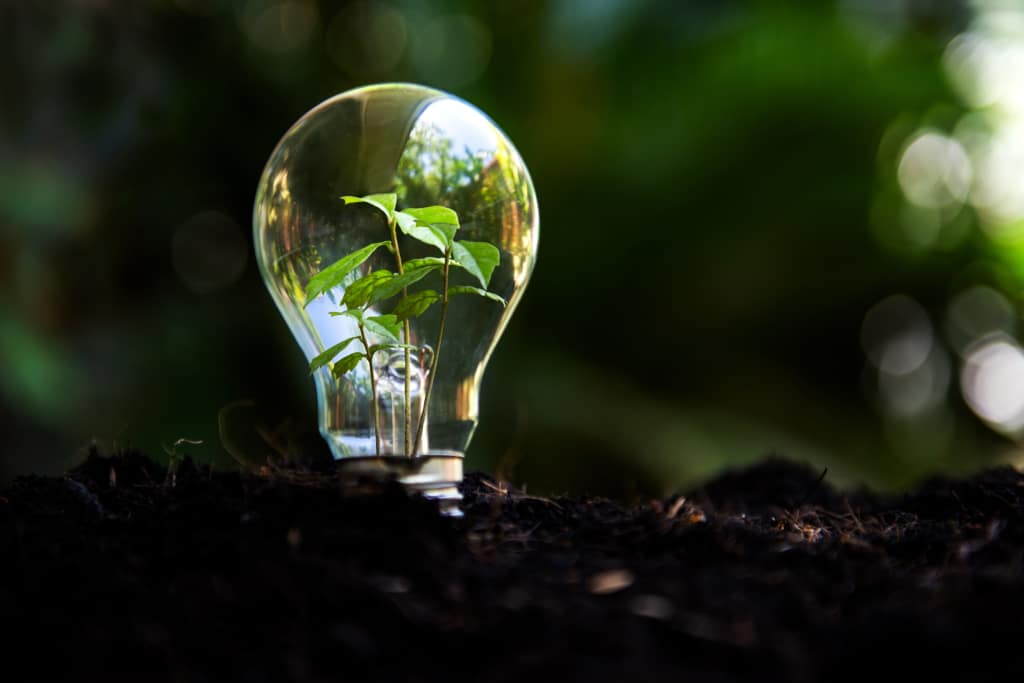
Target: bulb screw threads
{"type": "Point", "coordinates": [435, 477]}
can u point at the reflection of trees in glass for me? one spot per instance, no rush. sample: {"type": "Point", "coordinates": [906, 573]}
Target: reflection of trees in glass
{"type": "Point", "coordinates": [477, 182]}
{"type": "Point", "coordinates": [431, 169]}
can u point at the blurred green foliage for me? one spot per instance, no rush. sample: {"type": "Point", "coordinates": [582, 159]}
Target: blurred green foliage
{"type": "Point", "coordinates": [721, 208]}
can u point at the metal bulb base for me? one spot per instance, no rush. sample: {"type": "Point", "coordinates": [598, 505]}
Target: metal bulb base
{"type": "Point", "coordinates": [435, 477]}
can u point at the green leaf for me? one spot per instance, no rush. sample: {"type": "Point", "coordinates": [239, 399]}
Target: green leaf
{"type": "Point", "coordinates": [347, 363]}
{"type": "Point", "coordinates": [478, 258]}
{"type": "Point", "coordinates": [387, 200]}
{"type": "Point", "coordinates": [452, 291]}
{"type": "Point", "coordinates": [428, 234]}
{"type": "Point", "coordinates": [328, 355]}
{"type": "Point", "coordinates": [435, 215]}
{"type": "Point", "coordinates": [404, 220]}
{"type": "Point", "coordinates": [440, 218]}
{"type": "Point", "coordinates": [448, 230]}
{"type": "Point", "coordinates": [383, 202]}
{"type": "Point", "coordinates": [389, 288]}
{"type": "Point", "coordinates": [331, 276]}
{"type": "Point", "coordinates": [352, 313]}
{"type": "Point", "coordinates": [415, 304]}
{"type": "Point", "coordinates": [359, 292]}
{"type": "Point", "coordinates": [422, 262]}
{"type": "Point", "coordinates": [386, 326]}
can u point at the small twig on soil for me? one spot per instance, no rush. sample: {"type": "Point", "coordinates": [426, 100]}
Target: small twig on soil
{"type": "Point", "coordinates": [522, 537]}
{"type": "Point", "coordinates": [500, 488]}
{"type": "Point", "coordinates": [813, 488]}
{"type": "Point", "coordinates": [505, 491]}
{"type": "Point", "coordinates": [676, 507]}
{"type": "Point", "coordinates": [856, 518]}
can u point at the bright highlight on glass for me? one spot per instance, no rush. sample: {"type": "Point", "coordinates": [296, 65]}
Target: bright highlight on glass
{"type": "Point", "coordinates": [372, 172]}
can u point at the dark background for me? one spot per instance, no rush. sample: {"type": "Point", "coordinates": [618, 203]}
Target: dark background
{"type": "Point", "coordinates": [765, 227]}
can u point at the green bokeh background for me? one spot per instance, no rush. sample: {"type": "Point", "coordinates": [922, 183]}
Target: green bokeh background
{"type": "Point", "coordinates": [719, 202]}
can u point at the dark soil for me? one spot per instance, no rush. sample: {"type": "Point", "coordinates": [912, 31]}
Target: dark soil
{"type": "Point", "coordinates": [113, 574]}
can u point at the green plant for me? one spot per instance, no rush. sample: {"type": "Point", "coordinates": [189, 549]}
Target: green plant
{"type": "Point", "coordinates": [435, 226]}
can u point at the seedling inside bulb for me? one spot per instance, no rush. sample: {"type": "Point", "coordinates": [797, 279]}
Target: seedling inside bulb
{"type": "Point", "coordinates": [435, 226]}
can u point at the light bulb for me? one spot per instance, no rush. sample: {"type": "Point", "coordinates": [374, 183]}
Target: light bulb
{"type": "Point", "coordinates": [427, 148]}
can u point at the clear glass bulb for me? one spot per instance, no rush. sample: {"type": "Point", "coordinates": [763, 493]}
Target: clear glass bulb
{"type": "Point", "coordinates": [429, 148]}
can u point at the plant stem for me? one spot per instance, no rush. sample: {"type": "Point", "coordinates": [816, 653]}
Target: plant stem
{"type": "Point", "coordinates": [437, 353]}
{"type": "Point", "coordinates": [407, 331]}
{"type": "Point", "coordinates": [373, 386]}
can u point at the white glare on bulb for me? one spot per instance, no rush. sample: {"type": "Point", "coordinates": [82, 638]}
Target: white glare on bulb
{"type": "Point", "coordinates": [430, 154]}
